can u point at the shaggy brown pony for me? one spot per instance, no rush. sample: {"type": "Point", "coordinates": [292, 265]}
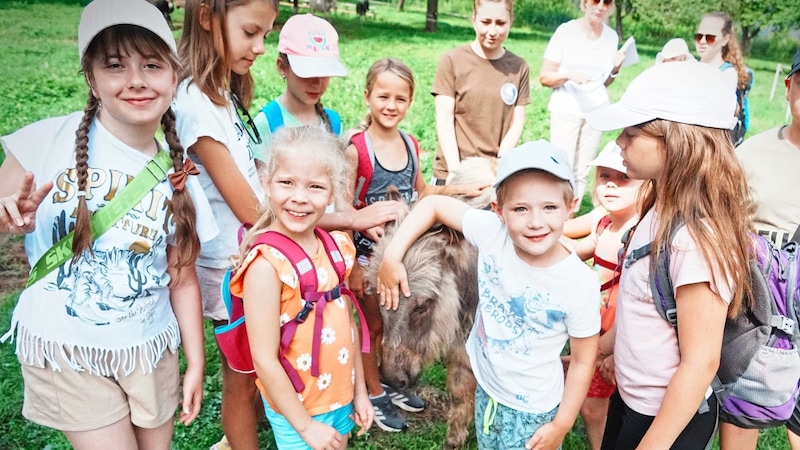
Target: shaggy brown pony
{"type": "Point", "coordinates": [435, 321]}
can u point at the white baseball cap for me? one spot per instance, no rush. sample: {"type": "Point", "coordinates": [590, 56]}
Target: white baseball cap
{"type": "Point", "coordinates": [686, 92]}
{"type": "Point", "coordinates": [674, 48]}
{"type": "Point", "coordinates": [101, 14]}
{"type": "Point", "coordinates": [312, 46]}
{"type": "Point", "coordinates": [611, 157]}
{"type": "Point", "coordinates": [540, 155]}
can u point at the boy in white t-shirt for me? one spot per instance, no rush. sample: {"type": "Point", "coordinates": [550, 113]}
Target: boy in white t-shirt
{"type": "Point", "coordinates": [534, 294]}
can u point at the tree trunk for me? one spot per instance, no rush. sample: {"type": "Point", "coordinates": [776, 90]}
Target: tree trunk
{"type": "Point", "coordinates": [748, 33]}
{"type": "Point", "coordinates": [295, 6]}
{"type": "Point", "coordinates": [400, 5]}
{"type": "Point", "coordinates": [618, 18]}
{"type": "Point", "coordinates": [432, 17]}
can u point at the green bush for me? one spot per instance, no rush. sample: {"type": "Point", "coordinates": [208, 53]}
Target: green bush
{"type": "Point", "coordinates": [544, 14]}
{"type": "Point", "coordinates": [775, 47]}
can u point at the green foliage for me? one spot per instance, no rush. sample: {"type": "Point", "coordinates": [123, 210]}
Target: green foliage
{"type": "Point", "coordinates": [656, 21]}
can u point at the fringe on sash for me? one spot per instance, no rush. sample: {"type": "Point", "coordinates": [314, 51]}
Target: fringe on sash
{"type": "Point", "coordinates": [36, 351]}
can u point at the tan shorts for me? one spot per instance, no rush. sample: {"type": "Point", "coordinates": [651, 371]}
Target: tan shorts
{"type": "Point", "coordinates": [210, 280]}
{"type": "Point", "coordinates": [80, 401]}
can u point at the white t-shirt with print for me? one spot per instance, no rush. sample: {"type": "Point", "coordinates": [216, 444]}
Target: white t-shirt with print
{"type": "Point", "coordinates": [110, 310]}
{"type": "Point", "coordinates": [525, 316]}
{"type": "Point", "coordinates": [196, 117]}
{"type": "Point", "coordinates": [573, 50]}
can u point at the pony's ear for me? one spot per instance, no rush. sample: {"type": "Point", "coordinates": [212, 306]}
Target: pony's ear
{"type": "Point", "coordinates": [392, 193]}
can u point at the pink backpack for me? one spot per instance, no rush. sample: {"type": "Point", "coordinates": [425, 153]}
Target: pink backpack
{"type": "Point", "coordinates": [232, 338]}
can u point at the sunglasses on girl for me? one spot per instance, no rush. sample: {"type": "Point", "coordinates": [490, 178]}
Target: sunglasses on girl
{"type": "Point", "coordinates": [247, 120]}
{"type": "Point", "coordinates": [605, 2]}
{"type": "Point", "coordinates": [710, 38]}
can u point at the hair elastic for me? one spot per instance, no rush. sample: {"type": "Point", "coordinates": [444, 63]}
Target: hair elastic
{"type": "Point", "coordinates": [81, 194]}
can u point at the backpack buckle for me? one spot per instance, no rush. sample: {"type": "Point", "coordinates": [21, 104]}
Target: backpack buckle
{"type": "Point", "coordinates": [303, 314]}
{"type": "Point", "coordinates": [782, 323]}
{"type": "Point", "coordinates": [672, 316]}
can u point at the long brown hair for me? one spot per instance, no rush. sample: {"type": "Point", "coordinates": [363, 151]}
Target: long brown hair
{"type": "Point", "coordinates": [203, 53]}
{"type": "Point", "coordinates": [703, 186]}
{"type": "Point", "coordinates": [126, 39]}
{"type": "Point", "coordinates": [732, 52]}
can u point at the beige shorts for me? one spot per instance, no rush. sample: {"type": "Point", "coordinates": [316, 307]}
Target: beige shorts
{"type": "Point", "coordinates": [80, 401]}
{"type": "Point", "coordinates": [210, 280]}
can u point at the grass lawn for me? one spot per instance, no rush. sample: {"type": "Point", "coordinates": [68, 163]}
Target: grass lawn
{"type": "Point", "coordinates": [39, 68]}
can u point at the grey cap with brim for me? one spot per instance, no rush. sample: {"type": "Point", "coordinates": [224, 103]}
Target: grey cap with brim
{"type": "Point", "coordinates": [538, 154]}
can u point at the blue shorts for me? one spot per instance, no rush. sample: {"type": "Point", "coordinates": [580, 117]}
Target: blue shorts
{"type": "Point", "coordinates": [498, 426]}
{"type": "Point", "coordinates": [288, 439]}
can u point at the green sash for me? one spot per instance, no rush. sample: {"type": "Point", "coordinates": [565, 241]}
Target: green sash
{"type": "Point", "coordinates": [102, 220]}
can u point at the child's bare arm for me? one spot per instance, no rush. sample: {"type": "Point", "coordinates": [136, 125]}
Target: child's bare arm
{"type": "Point", "coordinates": [701, 314]}
{"type": "Point", "coordinates": [428, 211]}
{"type": "Point", "coordinates": [466, 190]}
{"type": "Point", "coordinates": [581, 369]}
{"type": "Point", "coordinates": [365, 219]}
{"type": "Point", "coordinates": [184, 294]}
{"type": "Point", "coordinates": [262, 290]}
{"type": "Point", "coordinates": [514, 132]}
{"type": "Point", "coordinates": [363, 412]}
{"type": "Point", "coordinates": [228, 179]}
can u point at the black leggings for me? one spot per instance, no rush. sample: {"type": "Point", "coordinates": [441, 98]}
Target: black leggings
{"type": "Point", "coordinates": [625, 428]}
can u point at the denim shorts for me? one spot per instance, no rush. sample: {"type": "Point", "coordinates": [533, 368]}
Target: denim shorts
{"type": "Point", "coordinates": [288, 439]}
{"type": "Point", "coordinates": [500, 427]}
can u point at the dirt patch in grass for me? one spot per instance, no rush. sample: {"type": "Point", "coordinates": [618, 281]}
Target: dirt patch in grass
{"type": "Point", "coordinates": [13, 264]}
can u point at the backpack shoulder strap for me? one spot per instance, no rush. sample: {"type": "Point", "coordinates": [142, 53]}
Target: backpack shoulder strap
{"type": "Point", "coordinates": [725, 66]}
{"type": "Point", "coordinates": [274, 115]}
{"type": "Point", "coordinates": [411, 143]}
{"type": "Point", "coordinates": [335, 120]}
{"type": "Point", "coordinates": [337, 261]}
{"type": "Point", "coordinates": [366, 166]}
{"type": "Point", "coordinates": [660, 281]}
{"type": "Point", "coordinates": [602, 225]}
{"type": "Point", "coordinates": [306, 274]}
{"type": "Point", "coordinates": [332, 250]}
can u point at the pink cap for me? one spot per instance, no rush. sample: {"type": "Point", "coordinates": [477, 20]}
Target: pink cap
{"type": "Point", "coordinates": [312, 45]}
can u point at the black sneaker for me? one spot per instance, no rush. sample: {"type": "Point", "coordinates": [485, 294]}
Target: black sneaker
{"type": "Point", "coordinates": [405, 399]}
{"type": "Point", "coordinates": [386, 415]}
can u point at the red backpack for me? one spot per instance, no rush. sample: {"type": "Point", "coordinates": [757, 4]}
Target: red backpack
{"type": "Point", "coordinates": [232, 338]}
{"type": "Point", "coordinates": [366, 163]}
